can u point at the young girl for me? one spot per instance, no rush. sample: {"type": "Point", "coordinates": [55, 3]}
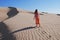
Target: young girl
{"type": "Point", "coordinates": [37, 20]}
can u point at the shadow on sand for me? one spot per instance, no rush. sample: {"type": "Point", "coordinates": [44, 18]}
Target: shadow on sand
{"type": "Point", "coordinates": [13, 11]}
{"type": "Point", "coordinates": [27, 28]}
{"type": "Point", "coordinates": [58, 14]}
{"type": "Point", "coordinates": [4, 32]}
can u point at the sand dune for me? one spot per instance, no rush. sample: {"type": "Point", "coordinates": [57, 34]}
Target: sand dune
{"type": "Point", "coordinates": [22, 27]}
{"type": "Point", "coordinates": [3, 13]}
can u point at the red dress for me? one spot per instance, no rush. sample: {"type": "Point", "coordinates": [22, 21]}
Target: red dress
{"type": "Point", "coordinates": [37, 19]}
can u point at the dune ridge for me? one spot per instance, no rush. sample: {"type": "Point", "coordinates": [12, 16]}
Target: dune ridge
{"type": "Point", "coordinates": [21, 26]}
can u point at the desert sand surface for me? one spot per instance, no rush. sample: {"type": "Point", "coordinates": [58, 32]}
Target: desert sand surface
{"type": "Point", "coordinates": [21, 26]}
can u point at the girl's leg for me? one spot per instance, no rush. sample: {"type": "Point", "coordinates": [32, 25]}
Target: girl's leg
{"type": "Point", "coordinates": [39, 25]}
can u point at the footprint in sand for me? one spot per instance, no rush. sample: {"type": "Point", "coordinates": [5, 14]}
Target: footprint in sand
{"type": "Point", "coordinates": [49, 36]}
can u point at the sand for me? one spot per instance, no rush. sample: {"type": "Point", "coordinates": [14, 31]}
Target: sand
{"type": "Point", "coordinates": [22, 27]}
{"type": "Point", "coordinates": [3, 13]}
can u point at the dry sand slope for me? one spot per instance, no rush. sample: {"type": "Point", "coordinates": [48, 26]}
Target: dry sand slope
{"type": "Point", "coordinates": [22, 27]}
{"type": "Point", "coordinates": [3, 13]}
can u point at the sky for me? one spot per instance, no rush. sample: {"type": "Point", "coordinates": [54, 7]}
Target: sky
{"type": "Point", "coordinates": [51, 6]}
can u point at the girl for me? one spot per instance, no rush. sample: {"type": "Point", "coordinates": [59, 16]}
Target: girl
{"type": "Point", "coordinates": [36, 16]}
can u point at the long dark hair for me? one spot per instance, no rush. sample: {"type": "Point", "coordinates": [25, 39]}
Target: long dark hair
{"type": "Point", "coordinates": [36, 12]}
